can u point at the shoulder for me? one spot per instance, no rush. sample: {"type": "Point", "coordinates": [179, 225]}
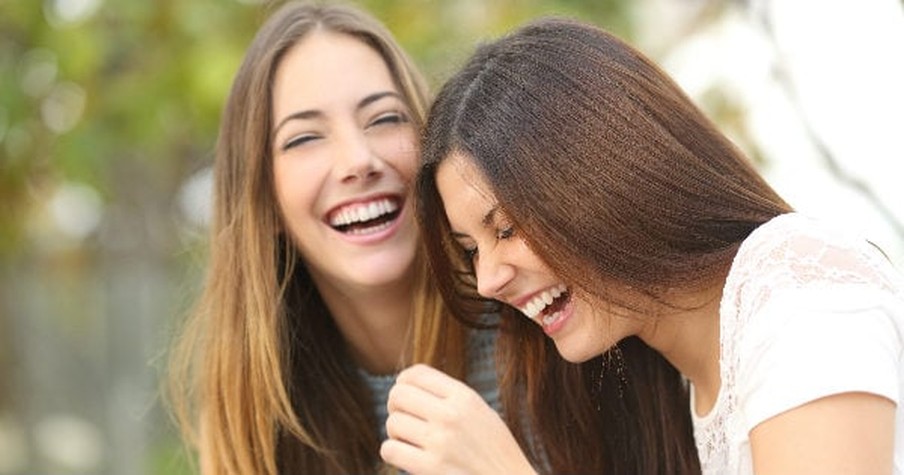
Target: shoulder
{"type": "Point", "coordinates": [811, 305]}
{"type": "Point", "coordinates": [797, 267]}
{"type": "Point", "coordinates": [797, 251]}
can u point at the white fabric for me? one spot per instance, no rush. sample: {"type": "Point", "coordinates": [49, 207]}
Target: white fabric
{"type": "Point", "coordinates": [806, 312]}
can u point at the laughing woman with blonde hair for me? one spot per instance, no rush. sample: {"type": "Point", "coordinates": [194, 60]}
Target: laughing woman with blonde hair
{"type": "Point", "coordinates": [317, 291]}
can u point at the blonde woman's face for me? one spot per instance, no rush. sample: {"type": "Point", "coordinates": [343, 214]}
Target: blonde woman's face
{"type": "Point", "coordinates": [344, 153]}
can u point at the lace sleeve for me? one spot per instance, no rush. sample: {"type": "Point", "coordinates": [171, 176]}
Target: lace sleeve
{"type": "Point", "coordinates": [794, 251]}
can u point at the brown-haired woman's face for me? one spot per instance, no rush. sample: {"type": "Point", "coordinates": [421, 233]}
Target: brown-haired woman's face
{"type": "Point", "coordinates": [344, 153]}
{"type": "Point", "coordinates": [509, 271]}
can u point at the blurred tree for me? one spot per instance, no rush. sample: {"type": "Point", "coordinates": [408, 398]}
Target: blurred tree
{"type": "Point", "coordinates": [105, 108]}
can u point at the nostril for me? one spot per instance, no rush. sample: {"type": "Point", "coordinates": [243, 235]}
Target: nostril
{"type": "Point", "coordinates": [494, 276]}
{"type": "Point", "coordinates": [357, 175]}
{"type": "Point", "coordinates": [361, 173]}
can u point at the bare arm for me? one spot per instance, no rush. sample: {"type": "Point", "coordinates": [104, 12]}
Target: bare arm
{"type": "Point", "coordinates": [439, 425]}
{"type": "Point", "coordinates": [850, 433]}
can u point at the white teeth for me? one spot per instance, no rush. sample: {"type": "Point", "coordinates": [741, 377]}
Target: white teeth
{"type": "Point", "coordinates": [370, 230]}
{"type": "Point", "coordinates": [361, 212]}
{"type": "Point", "coordinates": [551, 318]}
{"type": "Point", "coordinates": [541, 301]}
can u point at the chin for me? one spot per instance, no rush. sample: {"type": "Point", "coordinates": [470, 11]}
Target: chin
{"type": "Point", "coordinates": [576, 355]}
{"type": "Point", "coordinates": [380, 277]}
{"type": "Point", "coordinates": [385, 270]}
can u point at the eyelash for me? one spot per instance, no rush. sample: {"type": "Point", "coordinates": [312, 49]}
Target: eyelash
{"type": "Point", "coordinates": [505, 233]}
{"type": "Point", "coordinates": [470, 254]}
{"type": "Point", "coordinates": [390, 118]}
{"type": "Point", "coordinates": [300, 140]}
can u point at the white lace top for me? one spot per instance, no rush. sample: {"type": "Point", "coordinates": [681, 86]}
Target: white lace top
{"type": "Point", "coordinates": [806, 312]}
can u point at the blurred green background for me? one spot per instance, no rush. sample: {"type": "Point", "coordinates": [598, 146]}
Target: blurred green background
{"type": "Point", "coordinates": [108, 118]}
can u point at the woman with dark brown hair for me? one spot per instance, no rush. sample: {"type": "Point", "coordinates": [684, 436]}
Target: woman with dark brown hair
{"type": "Point", "coordinates": [317, 290]}
{"type": "Point", "coordinates": [568, 178]}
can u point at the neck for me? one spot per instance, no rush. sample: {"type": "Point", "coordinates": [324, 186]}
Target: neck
{"type": "Point", "coordinates": [689, 340]}
{"type": "Point", "coordinates": [375, 323]}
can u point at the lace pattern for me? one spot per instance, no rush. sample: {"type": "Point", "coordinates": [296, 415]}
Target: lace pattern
{"type": "Point", "coordinates": [789, 251]}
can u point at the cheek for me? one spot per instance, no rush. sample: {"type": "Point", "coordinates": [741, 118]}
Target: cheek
{"type": "Point", "coordinates": [608, 325]}
{"type": "Point", "coordinates": [297, 183]}
{"type": "Point", "coordinates": [408, 162]}
{"type": "Point", "coordinates": [400, 151]}
{"type": "Point", "coordinates": [528, 259]}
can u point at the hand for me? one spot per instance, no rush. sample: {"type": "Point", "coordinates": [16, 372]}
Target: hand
{"type": "Point", "coordinates": [439, 425]}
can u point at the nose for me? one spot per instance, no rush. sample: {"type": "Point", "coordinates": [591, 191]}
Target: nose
{"type": "Point", "coordinates": [494, 274]}
{"type": "Point", "coordinates": [357, 161]}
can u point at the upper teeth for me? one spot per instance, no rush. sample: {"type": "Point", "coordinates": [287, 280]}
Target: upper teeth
{"type": "Point", "coordinates": [360, 212]}
{"type": "Point", "coordinates": [543, 300]}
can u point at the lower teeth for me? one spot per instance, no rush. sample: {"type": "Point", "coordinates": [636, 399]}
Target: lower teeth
{"type": "Point", "coordinates": [371, 230]}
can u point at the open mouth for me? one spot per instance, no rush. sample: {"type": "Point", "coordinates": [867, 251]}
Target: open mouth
{"type": "Point", "coordinates": [545, 308]}
{"type": "Point", "coordinates": [366, 217]}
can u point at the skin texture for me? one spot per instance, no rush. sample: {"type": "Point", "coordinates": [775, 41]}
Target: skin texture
{"type": "Point", "coordinates": [333, 151]}
{"type": "Point", "coordinates": [849, 433]}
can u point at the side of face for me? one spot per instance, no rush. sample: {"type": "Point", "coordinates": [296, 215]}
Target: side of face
{"type": "Point", "coordinates": [508, 270]}
{"type": "Point", "coordinates": [344, 154]}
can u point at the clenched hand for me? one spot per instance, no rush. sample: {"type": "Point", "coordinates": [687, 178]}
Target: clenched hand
{"type": "Point", "coordinates": [439, 425]}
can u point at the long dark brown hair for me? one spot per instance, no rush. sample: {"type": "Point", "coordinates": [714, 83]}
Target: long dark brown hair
{"type": "Point", "coordinates": [261, 379]}
{"type": "Point", "coordinates": [615, 179]}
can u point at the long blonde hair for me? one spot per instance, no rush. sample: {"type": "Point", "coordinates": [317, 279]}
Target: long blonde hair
{"type": "Point", "coordinates": [260, 380]}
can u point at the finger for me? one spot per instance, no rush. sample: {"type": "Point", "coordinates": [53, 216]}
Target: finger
{"type": "Point", "coordinates": [404, 456]}
{"type": "Point", "coordinates": [407, 428]}
{"type": "Point", "coordinates": [413, 400]}
{"type": "Point", "coordinates": [431, 380]}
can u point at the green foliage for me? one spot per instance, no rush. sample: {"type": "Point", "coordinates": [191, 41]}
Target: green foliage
{"type": "Point", "coordinates": [138, 82]}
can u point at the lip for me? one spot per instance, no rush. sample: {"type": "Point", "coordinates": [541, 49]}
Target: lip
{"type": "Point", "coordinates": [521, 302]}
{"type": "Point", "coordinates": [564, 314]}
{"type": "Point", "coordinates": [376, 237]}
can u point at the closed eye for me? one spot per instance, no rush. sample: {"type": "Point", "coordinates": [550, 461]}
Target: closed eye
{"type": "Point", "coordinates": [466, 246]}
{"type": "Point", "coordinates": [299, 140]}
{"type": "Point", "coordinates": [389, 118]}
{"type": "Point", "coordinates": [469, 252]}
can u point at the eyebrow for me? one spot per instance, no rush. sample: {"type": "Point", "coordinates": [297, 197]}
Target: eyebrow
{"type": "Point", "coordinates": [490, 216]}
{"type": "Point", "coordinates": [313, 113]}
{"type": "Point", "coordinates": [486, 221]}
